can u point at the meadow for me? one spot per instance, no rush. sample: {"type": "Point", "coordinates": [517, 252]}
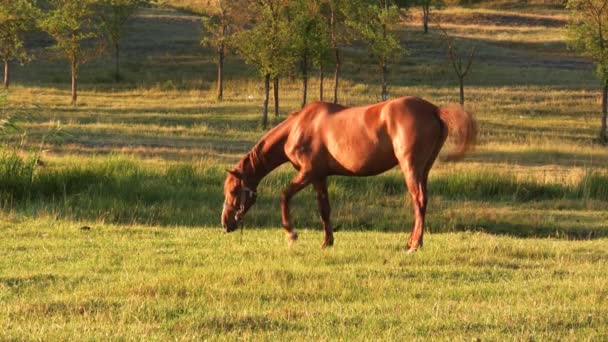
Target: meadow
{"type": "Point", "coordinates": [517, 232]}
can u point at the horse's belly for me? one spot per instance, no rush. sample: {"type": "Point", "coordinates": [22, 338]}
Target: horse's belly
{"type": "Point", "coordinates": [361, 157]}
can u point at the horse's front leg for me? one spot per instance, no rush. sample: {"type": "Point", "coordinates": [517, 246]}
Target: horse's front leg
{"type": "Point", "coordinates": [325, 211]}
{"type": "Point", "coordinates": [299, 182]}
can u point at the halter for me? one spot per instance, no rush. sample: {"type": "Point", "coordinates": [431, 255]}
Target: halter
{"type": "Point", "coordinates": [245, 191]}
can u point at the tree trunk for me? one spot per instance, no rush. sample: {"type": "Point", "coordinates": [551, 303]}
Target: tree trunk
{"type": "Point", "coordinates": [603, 136]}
{"type": "Point", "coordinates": [336, 74]}
{"type": "Point", "coordinates": [276, 96]}
{"type": "Point", "coordinates": [6, 74]}
{"type": "Point", "coordinates": [425, 17]}
{"type": "Point", "coordinates": [321, 78]}
{"type": "Point", "coordinates": [266, 95]}
{"type": "Point", "coordinates": [74, 82]}
{"type": "Point", "coordinates": [384, 68]}
{"type": "Point", "coordinates": [304, 67]}
{"type": "Point", "coordinates": [461, 91]}
{"type": "Point", "coordinates": [220, 73]}
{"type": "Point", "coordinates": [384, 82]}
{"type": "Point", "coordinates": [117, 71]}
{"type": "Point", "coordinates": [334, 44]}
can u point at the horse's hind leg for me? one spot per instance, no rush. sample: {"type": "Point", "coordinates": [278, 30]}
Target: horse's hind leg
{"type": "Point", "coordinates": [299, 182]}
{"type": "Point", "coordinates": [416, 184]}
{"type": "Point", "coordinates": [325, 211]}
{"type": "Point", "coordinates": [416, 173]}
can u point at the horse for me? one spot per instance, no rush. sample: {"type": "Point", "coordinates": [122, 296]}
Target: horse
{"type": "Point", "coordinates": [326, 139]}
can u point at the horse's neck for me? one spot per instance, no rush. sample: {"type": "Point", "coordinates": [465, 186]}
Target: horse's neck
{"type": "Point", "coordinates": [265, 156]}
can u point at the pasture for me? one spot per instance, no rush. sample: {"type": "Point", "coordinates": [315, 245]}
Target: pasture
{"type": "Point", "coordinates": [517, 233]}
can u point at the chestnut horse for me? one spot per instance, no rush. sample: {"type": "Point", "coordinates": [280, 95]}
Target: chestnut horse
{"type": "Point", "coordinates": [325, 139]}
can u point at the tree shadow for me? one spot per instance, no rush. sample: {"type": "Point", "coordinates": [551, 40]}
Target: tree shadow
{"type": "Point", "coordinates": [534, 231]}
{"type": "Point", "coordinates": [540, 158]}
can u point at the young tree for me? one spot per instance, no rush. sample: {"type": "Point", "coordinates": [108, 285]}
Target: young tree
{"type": "Point", "coordinates": [338, 34]}
{"type": "Point", "coordinates": [426, 11]}
{"type": "Point", "coordinates": [114, 16]}
{"type": "Point", "coordinates": [218, 28]}
{"type": "Point", "coordinates": [309, 39]}
{"type": "Point", "coordinates": [74, 27]}
{"type": "Point", "coordinates": [588, 33]}
{"type": "Point", "coordinates": [320, 58]}
{"type": "Point", "coordinates": [16, 18]}
{"type": "Point", "coordinates": [266, 44]}
{"type": "Point", "coordinates": [373, 22]}
{"type": "Point", "coordinates": [461, 68]}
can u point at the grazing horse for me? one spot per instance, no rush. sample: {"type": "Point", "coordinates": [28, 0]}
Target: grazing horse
{"type": "Point", "coordinates": [325, 139]}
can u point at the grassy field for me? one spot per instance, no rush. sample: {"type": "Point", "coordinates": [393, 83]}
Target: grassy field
{"type": "Point", "coordinates": [518, 231]}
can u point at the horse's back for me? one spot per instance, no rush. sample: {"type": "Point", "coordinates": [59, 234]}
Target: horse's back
{"type": "Point", "coordinates": [359, 140]}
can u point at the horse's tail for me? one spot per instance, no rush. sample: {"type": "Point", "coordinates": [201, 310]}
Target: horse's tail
{"type": "Point", "coordinates": [461, 127]}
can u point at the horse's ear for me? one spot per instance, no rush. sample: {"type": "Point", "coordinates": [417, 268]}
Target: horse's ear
{"type": "Point", "coordinates": [235, 174]}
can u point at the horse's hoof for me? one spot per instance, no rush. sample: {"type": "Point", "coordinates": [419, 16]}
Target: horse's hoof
{"type": "Point", "coordinates": [326, 244]}
{"type": "Point", "coordinates": [292, 237]}
{"type": "Point", "coordinates": [412, 250]}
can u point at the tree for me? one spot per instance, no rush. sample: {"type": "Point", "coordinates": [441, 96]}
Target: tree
{"type": "Point", "coordinates": [218, 28]}
{"type": "Point", "coordinates": [266, 44]}
{"type": "Point", "coordinates": [336, 19]}
{"type": "Point", "coordinates": [76, 32]}
{"type": "Point", "coordinates": [16, 18]}
{"type": "Point", "coordinates": [373, 22]}
{"type": "Point", "coordinates": [114, 16]}
{"type": "Point", "coordinates": [588, 33]}
{"type": "Point", "coordinates": [460, 67]}
{"type": "Point", "coordinates": [310, 40]}
{"type": "Point", "coordinates": [426, 11]}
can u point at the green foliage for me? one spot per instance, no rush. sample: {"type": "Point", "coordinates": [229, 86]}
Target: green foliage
{"type": "Point", "coordinates": [75, 27]}
{"type": "Point", "coordinates": [16, 18]}
{"type": "Point", "coordinates": [215, 32]}
{"type": "Point", "coordinates": [310, 31]}
{"type": "Point", "coordinates": [374, 24]}
{"type": "Point", "coordinates": [220, 24]}
{"type": "Point", "coordinates": [337, 9]}
{"type": "Point", "coordinates": [588, 32]}
{"type": "Point", "coordinates": [267, 43]}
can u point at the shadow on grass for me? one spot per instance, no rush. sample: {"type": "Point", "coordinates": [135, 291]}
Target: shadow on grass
{"type": "Point", "coordinates": [521, 230]}
{"type": "Point", "coordinates": [120, 191]}
{"type": "Point", "coordinates": [222, 115]}
{"type": "Point", "coordinates": [540, 157]}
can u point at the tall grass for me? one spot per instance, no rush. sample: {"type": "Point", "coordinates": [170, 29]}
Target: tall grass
{"type": "Point", "coordinates": [120, 189]}
{"type": "Point", "coordinates": [16, 177]}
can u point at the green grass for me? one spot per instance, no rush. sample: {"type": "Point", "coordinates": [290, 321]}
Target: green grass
{"type": "Point", "coordinates": [516, 233]}
{"type": "Point", "coordinates": [125, 282]}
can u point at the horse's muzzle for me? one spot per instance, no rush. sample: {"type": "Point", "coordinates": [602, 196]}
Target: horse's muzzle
{"type": "Point", "coordinates": [229, 222]}
{"type": "Point", "coordinates": [230, 229]}
{"type": "Point", "coordinates": [230, 225]}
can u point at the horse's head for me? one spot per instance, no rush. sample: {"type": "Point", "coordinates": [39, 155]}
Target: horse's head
{"type": "Point", "coordinates": [238, 198]}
